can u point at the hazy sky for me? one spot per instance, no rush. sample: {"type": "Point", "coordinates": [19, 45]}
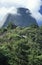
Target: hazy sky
{"type": "Point", "coordinates": [9, 6]}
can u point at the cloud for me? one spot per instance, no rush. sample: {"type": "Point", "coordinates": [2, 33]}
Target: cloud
{"type": "Point", "coordinates": [4, 11]}
{"type": "Point", "coordinates": [9, 6]}
{"type": "Point", "coordinates": [28, 4]}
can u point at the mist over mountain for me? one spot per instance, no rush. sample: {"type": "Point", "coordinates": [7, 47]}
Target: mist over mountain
{"type": "Point", "coordinates": [22, 18]}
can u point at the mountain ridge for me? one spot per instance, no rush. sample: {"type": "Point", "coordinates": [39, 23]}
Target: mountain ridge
{"type": "Point", "coordinates": [22, 18]}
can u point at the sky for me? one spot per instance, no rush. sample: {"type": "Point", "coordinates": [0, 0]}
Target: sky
{"type": "Point", "coordinates": [9, 6]}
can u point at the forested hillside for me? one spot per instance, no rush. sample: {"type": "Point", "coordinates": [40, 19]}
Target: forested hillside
{"type": "Point", "coordinates": [21, 45]}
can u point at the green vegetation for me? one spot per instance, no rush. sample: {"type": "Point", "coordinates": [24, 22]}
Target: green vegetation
{"type": "Point", "coordinates": [21, 45]}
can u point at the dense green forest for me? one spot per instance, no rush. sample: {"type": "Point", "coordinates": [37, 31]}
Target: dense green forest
{"type": "Point", "coordinates": [21, 45]}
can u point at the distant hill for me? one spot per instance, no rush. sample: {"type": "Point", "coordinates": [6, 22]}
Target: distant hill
{"type": "Point", "coordinates": [22, 18]}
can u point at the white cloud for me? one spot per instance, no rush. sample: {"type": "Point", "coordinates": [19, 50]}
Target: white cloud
{"type": "Point", "coordinates": [37, 16]}
{"type": "Point", "coordinates": [4, 11]}
{"type": "Point", "coordinates": [8, 6]}
{"type": "Point", "coordinates": [31, 4]}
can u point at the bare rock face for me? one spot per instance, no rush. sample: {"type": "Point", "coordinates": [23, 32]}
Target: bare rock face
{"type": "Point", "coordinates": [22, 18]}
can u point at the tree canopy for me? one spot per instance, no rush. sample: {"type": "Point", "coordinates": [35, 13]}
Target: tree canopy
{"type": "Point", "coordinates": [21, 46]}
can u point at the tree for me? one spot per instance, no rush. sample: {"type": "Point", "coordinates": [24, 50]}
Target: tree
{"type": "Point", "coordinates": [34, 26]}
{"type": "Point", "coordinates": [22, 54]}
{"type": "Point", "coordinates": [11, 26]}
{"type": "Point", "coordinates": [3, 59]}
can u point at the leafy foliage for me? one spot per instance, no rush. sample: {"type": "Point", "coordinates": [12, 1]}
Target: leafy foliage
{"type": "Point", "coordinates": [21, 45]}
